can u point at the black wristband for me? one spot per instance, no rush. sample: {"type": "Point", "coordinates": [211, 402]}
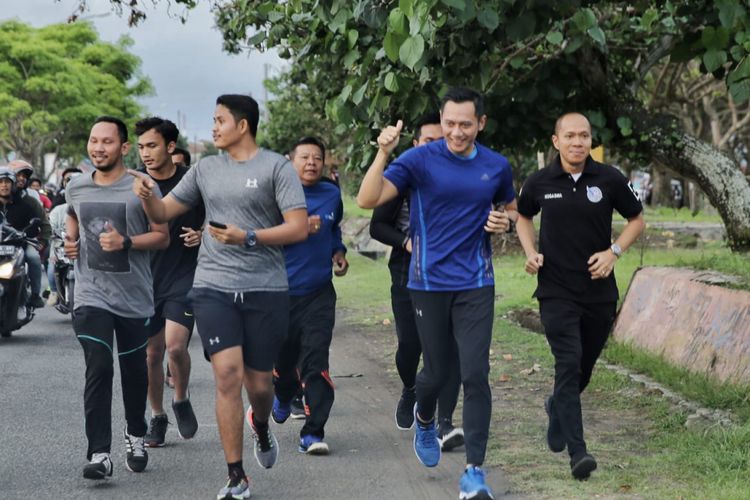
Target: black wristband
{"type": "Point", "coordinates": [126, 242]}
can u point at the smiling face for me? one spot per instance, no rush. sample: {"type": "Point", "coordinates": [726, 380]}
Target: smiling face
{"type": "Point", "coordinates": [226, 130]}
{"type": "Point", "coordinates": [461, 126]}
{"type": "Point", "coordinates": [573, 140]}
{"type": "Point", "coordinates": [105, 148]}
{"type": "Point", "coordinates": [6, 188]}
{"type": "Point", "coordinates": [308, 161]}
{"type": "Point", "coordinates": [155, 153]}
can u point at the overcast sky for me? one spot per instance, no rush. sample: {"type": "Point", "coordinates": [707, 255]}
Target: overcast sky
{"type": "Point", "coordinates": [164, 45]}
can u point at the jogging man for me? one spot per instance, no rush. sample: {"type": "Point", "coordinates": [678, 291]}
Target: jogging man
{"type": "Point", "coordinates": [390, 225]}
{"type": "Point", "coordinates": [254, 205]}
{"type": "Point", "coordinates": [172, 270]}
{"type": "Point", "coordinates": [455, 184]}
{"type": "Point", "coordinates": [312, 302]}
{"type": "Point", "coordinates": [110, 237]}
{"type": "Point", "coordinates": [577, 291]}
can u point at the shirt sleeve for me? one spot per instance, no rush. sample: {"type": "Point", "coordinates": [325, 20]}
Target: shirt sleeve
{"type": "Point", "coordinates": [382, 224]}
{"type": "Point", "coordinates": [625, 199]}
{"type": "Point", "coordinates": [527, 203]}
{"type": "Point", "coordinates": [401, 172]}
{"type": "Point", "coordinates": [288, 188]}
{"type": "Point", "coordinates": [506, 193]}
{"type": "Point", "coordinates": [338, 242]}
{"type": "Point", "coordinates": [187, 191]}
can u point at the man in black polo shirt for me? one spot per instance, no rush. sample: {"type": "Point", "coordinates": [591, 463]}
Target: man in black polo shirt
{"type": "Point", "coordinates": [575, 263]}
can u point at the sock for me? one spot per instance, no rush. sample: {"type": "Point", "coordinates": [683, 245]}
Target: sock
{"type": "Point", "coordinates": [260, 426]}
{"type": "Point", "coordinates": [236, 470]}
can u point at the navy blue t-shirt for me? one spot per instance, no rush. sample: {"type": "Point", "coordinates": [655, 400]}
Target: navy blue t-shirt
{"type": "Point", "coordinates": [451, 198]}
{"type": "Point", "coordinates": [308, 263]}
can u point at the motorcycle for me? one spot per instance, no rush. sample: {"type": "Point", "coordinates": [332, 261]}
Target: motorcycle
{"type": "Point", "coordinates": [15, 286]}
{"type": "Point", "coordinates": [64, 277]}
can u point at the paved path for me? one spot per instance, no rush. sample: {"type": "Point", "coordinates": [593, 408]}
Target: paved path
{"type": "Point", "coordinates": [42, 445]}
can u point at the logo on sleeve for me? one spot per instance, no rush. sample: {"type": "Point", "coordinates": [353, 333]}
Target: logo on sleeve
{"type": "Point", "coordinates": [594, 194]}
{"type": "Point", "coordinates": [632, 190]}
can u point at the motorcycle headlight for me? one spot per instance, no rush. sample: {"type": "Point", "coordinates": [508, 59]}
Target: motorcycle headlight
{"type": "Point", "coordinates": [6, 270]}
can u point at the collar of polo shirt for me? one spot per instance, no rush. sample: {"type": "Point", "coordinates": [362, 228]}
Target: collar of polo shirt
{"type": "Point", "coordinates": [589, 167]}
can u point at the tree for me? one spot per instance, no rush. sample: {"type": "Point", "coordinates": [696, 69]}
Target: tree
{"type": "Point", "coordinates": [380, 60]}
{"type": "Point", "coordinates": [54, 81]}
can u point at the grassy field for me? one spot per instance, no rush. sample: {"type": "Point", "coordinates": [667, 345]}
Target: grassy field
{"type": "Point", "coordinates": [665, 214]}
{"type": "Point", "coordinates": [638, 437]}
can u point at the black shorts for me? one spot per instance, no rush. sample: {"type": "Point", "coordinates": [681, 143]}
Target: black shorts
{"type": "Point", "coordinates": [175, 309]}
{"type": "Point", "coordinates": [257, 321]}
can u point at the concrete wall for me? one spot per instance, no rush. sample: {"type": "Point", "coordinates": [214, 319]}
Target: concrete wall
{"type": "Point", "coordinates": [679, 315]}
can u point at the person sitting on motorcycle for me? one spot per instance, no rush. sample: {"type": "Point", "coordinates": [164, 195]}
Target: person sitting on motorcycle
{"type": "Point", "coordinates": [17, 211]}
{"type": "Point", "coordinates": [57, 221]}
{"type": "Point", "coordinates": [24, 171]}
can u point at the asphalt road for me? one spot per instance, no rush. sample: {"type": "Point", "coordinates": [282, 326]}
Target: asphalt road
{"type": "Point", "coordinates": [42, 442]}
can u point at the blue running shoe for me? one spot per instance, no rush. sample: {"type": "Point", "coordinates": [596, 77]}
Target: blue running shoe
{"type": "Point", "coordinates": [473, 486]}
{"type": "Point", "coordinates": [312, 445]}
{"type": "Point", "coordinates": [426, 442]}
{"type": "Point", "coordinates": [281, 411]}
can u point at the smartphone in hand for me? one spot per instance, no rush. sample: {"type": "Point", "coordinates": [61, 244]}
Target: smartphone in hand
{"type": "Point", "coordinates": [217, 225]}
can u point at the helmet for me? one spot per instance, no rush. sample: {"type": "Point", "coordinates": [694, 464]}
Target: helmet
{"type": "Point", "coordinates": [7, 173]}
{"type": "Point", "coordinates": [19, 166]}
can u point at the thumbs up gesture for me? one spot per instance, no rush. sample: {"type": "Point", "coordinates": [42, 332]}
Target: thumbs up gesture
{"type": "Point", "coordinates": [389, 136]}
{"type": "Point", "coordinates": [143, 186]}
{"type": "Point", "coordinates": [110, 240]}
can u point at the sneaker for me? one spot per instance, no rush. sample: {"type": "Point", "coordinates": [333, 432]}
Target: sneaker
{"type": "Point", "coordinates": [266, 446]}
{"type": "Point", "coordinates": [157, 431]}
{"type": "Point", "coordinates": [472, 485]}
{"type": "Point", "coordinates": [187, 424]}
{"type": "Point", "coordinates": [426, 444]}
{"type": "Point", "coordinates": [450, 437]}
{"type": "Point", "coordinates": [281, 411]}
{"type": "Point", "coordinates": [136, 455]}
{"type": "Point", "coordinates": [313, 445]}
{"type": "Point", "coordinates": [36, 302]}
{"type": "Point", "coordinates": [582, 466]}
{"type": "Point", "coordinates": [99, 467]}
{"type": "Point", "coordinates": [555, 438]}
{"type": "Point", "coordinates": [237, 488]}
{"type": "Point", "coordinates": [405, 409]}
{"type": "Point", "coordinates": [298, 408]}
{"type": "Point", "coordinates": [52, 299]}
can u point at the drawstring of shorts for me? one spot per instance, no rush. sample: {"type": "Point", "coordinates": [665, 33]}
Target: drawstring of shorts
{"type": "Point", "coordinates": [241, 295]}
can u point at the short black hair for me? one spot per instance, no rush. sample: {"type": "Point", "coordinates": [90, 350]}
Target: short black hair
{"type": "Point", "coordinates": [35, 179]}
{"type": "Point", "coordinates": [432, 118]}
{"type": "Point", "coordinates": [463, 94]}
{"type": "Point", "coordinates": [165, 128]}
{"type": "Point", "coordinates": [122, 129]}
{"type": "Point", "coordinates": [315, 141]}
{"type": "Point", "coordinates": [242, 107]}
{"type": "Point", "coordinates": [185, 154]}
{"type": "Point", "coordinates": [71, 169]}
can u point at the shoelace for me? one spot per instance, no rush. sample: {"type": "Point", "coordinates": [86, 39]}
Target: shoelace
{"type": "Point", "coordinates": [100, 457]}
{"type": "Point", "coordinates": [136, 446]}
{"type": "Point", "coordinates": [429, 435]}
{"type": "Point", "coordinates": [264, 438]}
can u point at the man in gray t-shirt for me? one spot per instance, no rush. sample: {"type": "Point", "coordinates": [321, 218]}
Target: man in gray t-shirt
{"type": "Point", "coordinates": [109, 236]}
{"type": "Point", "coordinates": [254, 205]}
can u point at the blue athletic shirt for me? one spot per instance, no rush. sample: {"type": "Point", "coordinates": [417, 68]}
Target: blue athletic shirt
{"type": "Point", "coordinates": [451, 197]}
{"type": "Point", "coordinates": [308, 263]}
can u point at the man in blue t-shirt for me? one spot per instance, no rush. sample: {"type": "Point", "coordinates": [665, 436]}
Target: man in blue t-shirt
{"type": "Point", "coordinates": [312, 300]}
{"type": "Point", "coordinates": [460, 193]}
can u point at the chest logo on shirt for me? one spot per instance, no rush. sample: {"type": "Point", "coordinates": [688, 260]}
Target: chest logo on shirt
{"type": "Point", "coordinates": [251, 183]}
{"type": "Point", "coordinates": [330, 216]}
{"type": "Point", "coordinates": [553, 196]}
{"type": "Point", "coordinates": [594, 194]}
{"type": "Point", "coordinates": [485, 177]}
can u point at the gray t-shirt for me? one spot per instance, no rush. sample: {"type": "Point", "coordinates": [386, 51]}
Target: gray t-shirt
{"type": "Point", "coordinates": [119, 282]}
{"type": "Point", "coordinates": [250, 194]}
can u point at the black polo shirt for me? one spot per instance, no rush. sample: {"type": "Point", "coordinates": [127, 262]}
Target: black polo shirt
{"type": "Point", "coordinates": [576, 223]}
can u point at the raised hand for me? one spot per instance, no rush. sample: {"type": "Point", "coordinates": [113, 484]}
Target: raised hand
{"type": "Point", "coordinates": [389, 136]}
{"type": "Point", "coordinates": [143, 186]}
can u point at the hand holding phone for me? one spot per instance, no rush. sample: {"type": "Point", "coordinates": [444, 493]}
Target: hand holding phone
{"type": "Point", "coordinates": [217, 225]}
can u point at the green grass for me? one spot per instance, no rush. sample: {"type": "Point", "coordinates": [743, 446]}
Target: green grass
{"type": "Point", "coordinates": [352, 210]}
{"type": "Point", "coordinates": [638, 437]}
{"type": "Point", "coordinates": [665, 214]}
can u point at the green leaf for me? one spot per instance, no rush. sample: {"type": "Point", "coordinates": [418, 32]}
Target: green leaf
{"type": "Point", "coordinates": [350, 58]}
{"type": "Point", "coordinates": [715, 38]}
{"type": "Point", "coordinates": [391, 82]}
{"type": "Point", "coordinates": [345, 93]}
{"type": "Point", "coordinates": [352, 36]}
{"type": "Point", "coordinates": [648, 18]}
{"type": "Point", "coordinates": [517, 62]}
{"type": "Point", "coordinates": [257, 38]}
{"type": "Point", "coordinates": [411, 51]}
{"type": "Point", "coordinates": [714, 59]}
{"type": "Point", "coordinates": [456, 4]}
{"type": "Point", "coordinates": [554, 37]}
{"type": "Point", "coordinates": [625, 125]}
{"type": "Point", "coordinates": [584, 19]}
{"type": "Point", "coordinates": [574, 44]}
{"type": "Point", "coordinates": [359, 94]}
{"type": "Point", "coordinates": [275, 16]}
{"type": "Point", "coordinates": [598, 35]}
{"type": "Point", "coordinates": [391, 44]}
{"type": "Point", "coordinates": [741, 72]}
{"type": "Point", "coordinates": [489, 19]}
{"type": "Point", "coordinates": [407, 7]}
{"type": "Point", "coordinates": [521, 27]}
{"type": "Point", "coordinates": [740, 91]}
{"type": "Point", "coordinates": [397, 22]}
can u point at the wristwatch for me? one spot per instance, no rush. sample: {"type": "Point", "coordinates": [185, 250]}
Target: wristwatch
{"type": "Point", "coordinates": [616, 250]}
{"type": "Point", "coordinates": [250, 239]}
{"type": "Point", "coordinates": [126, 242]}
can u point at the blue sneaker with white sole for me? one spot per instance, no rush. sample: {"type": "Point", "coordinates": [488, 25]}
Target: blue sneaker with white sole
{"type": "Point", "coordinates": [473, 486]}
{"type": "Point", "coordinates": [281, 411]}
{"type": "Point", "coordinates": [313, 445]}
{"type": "Point", "coordinates": [426, 442]}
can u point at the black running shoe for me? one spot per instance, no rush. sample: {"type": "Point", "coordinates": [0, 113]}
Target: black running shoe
{"type": "Point", "coordinates": [298, 408]}
{"type": "Point", "coordinates": [405, 409]}
{"type": "Point", "coordinates": [187, 424]}
{"type": "Point", "coordinates": [36, 302]}
{"type": "Point", "coordinates": [99, 467]}
{"type": "Point", "coordinates": [581, 466]}
{"type": "Point", "coordinates": [135, 452]}
{"type": "Point", "coordinates": [450, 437]}
{"type": "Point", "coordinates": [157, 431]}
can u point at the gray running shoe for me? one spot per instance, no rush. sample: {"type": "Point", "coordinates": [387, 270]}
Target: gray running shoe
{"type": "Point", "coordinates": [266, 446]}
{"type": "Point", "coordinates": [157, 431]}
{"type": "Point", "coordinates": [99, 467]}
{"type": "Point", "coordinates": [236, 489]}
{"type": "Point", "coordinates": [298, 408]}
{"type": "Point", "coordinates": [187, 424]}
